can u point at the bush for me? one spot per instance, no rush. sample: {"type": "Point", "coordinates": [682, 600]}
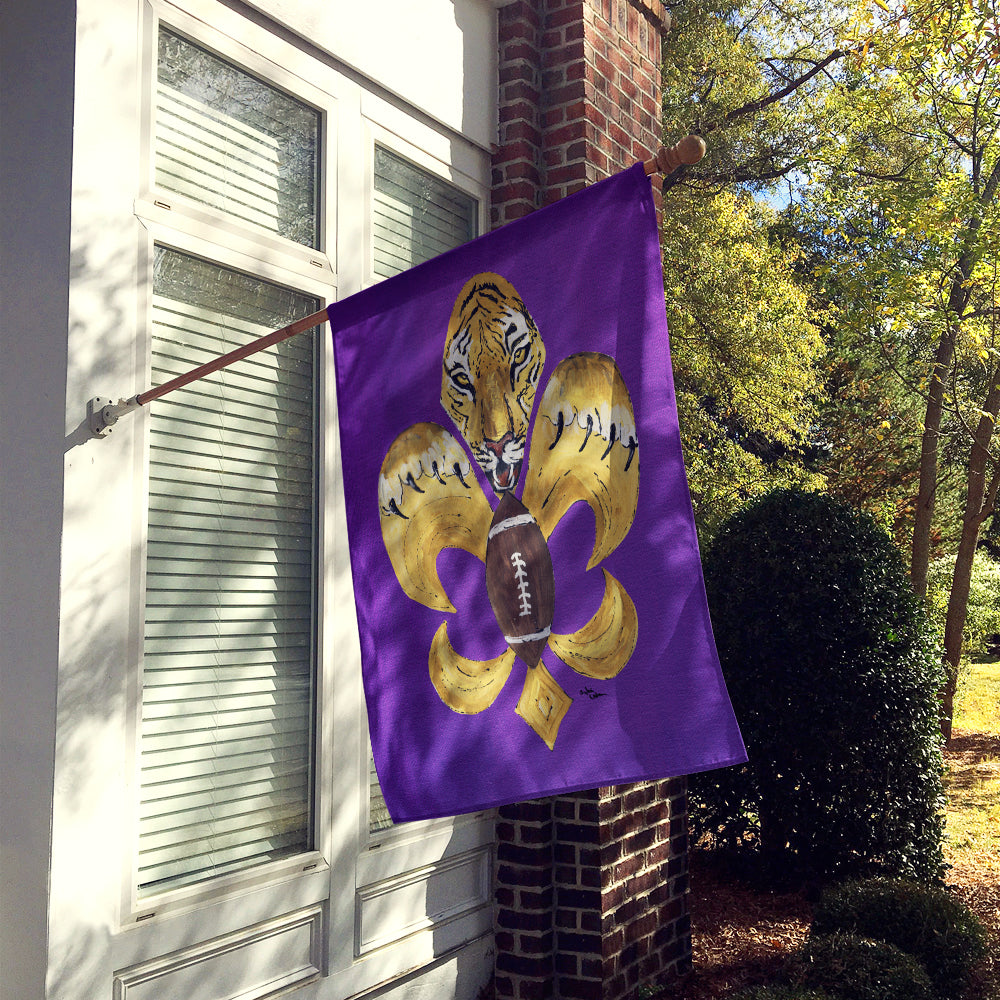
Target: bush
{"type": "Point", "coordinates": [856, 968]}
{"type": "Point", "coordinates": [982, 619]}
{"type": "Point", "coordinates": [833, 673]}
{"type": "Point", "coordinates": [925, 922]}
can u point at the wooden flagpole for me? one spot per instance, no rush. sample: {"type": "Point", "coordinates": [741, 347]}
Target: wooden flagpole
{"type": "Point", "coordinates": [102, 414]}
{"type": "Point", "coordinates": [260, 344]}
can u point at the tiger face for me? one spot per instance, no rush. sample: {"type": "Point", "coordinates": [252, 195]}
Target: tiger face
{"type": "Point", "coordinates": [493, 359]}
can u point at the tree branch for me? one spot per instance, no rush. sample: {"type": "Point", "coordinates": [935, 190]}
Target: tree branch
{"type": "Point", "coordinates": [738, 175]}
{"type": "Point", "coordinates": [898, 176]}
{"type": "Point", "coordinates": [754, 106]}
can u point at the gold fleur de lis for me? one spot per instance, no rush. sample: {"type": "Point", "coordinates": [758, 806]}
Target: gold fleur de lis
{"type": "Point", "coordinates": [584, 448]}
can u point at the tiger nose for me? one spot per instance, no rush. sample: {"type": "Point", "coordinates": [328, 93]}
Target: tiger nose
{"type": "Point", "coordinates": [496, 417]}
{"type": "Point", "coordinates": [497, 446]}
{"type": "Point", "coordinates": [504, 476]}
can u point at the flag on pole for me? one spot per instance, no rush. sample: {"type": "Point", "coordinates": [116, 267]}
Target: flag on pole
{"type": "Point", "coordinates": [527, 580]}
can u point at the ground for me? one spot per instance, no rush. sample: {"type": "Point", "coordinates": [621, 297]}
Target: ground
{"type": "Point", "coordinates": [974, 835]}
{"type": "Point", "coordinates": [741, 935]}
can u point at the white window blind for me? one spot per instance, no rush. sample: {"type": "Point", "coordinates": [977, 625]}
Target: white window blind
{"type": "Point", "coordinates": [226, 753]}
{"type": "Point", "coordinates": [416, 217]}
{"type": "Point", "coordinates": [230, 141]}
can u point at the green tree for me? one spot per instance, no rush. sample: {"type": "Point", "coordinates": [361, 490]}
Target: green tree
{"type": "Point", "coordinates": [747, 76]}
{"type": "Point", "coordinates": [982, 620]}
{"type": "Point", "coordinates": [881, 120]}
{"type": "Point", "coordinates": [746, 354]}
{"type": "Point", "coordinates": [870, 414]}
{"type": "Point", "coordinates": [870, 427]}
{"type": "Point", "coordinates": [747, 351]}
{"type": "Point", "coordinates": [909, 178]}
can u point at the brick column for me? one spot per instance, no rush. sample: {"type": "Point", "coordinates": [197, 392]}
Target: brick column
{"type": "Point", "coordinates": [517, 159]}
{"type": "Point", "coordinates": [591, 892]}
{"type": "Point", "coordinates": [591, 888]}
{"type": "Point", "coordinates": [524, 901]}
{"type": "Point", "coordinates": [579, 96]}
{"type": "Point", "coordinates": [621, 883]}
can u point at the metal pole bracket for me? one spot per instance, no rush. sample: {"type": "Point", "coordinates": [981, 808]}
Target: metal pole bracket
{"type": "Point", "coordinates": [103, 413]}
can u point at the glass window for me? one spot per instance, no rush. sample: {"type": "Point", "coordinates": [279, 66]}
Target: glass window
{"type": "Point", "coordinates": [416, 215]}
{"type": "Point", "coordinates": [225, 139]}
{"type": "Point", "coordinates": [228, 657]}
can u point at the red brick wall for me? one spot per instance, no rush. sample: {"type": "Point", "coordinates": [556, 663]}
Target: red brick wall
{"type": "Point", "coordinates": [524, 902]}
{"type": "Point", "coordinates": [579, 96]}
{"type": "Point", "coordinates": [591, 892]}
{"type": "Point", "coordinates": [591, 888]}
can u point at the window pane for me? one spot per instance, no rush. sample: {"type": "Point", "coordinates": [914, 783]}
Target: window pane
{"type": "Point", "coordinates": [228, 140]}
{"type": "Point", "coordinates": [416, 217]}
{"type": "Point", "coordinates": [228, 662]}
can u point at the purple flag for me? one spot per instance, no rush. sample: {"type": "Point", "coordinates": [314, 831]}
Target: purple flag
{"type": "Point", "coordinates": [526, 572]}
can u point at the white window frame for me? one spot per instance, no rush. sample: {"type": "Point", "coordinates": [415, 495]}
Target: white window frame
{"type": "Point", "coordinates": [180, 224]}
{"type": "Point", "coordinates": [350, 873]}
{"type": "Point", "coordinates": [394, 131]}
{"type": "Point", "coordinates": [139, 909]}
{"type": "Point", "coordinates": [389, 128]}
{"type": "Point", "coordinates": [276, 62]}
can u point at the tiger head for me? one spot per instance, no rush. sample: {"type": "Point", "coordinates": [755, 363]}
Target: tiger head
{"type": "Point", "coordinates": [493, 359]}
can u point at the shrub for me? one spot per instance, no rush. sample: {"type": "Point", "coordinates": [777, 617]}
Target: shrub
{"type": "Point", "coordinates": [833, 673]}
{"type": "Point", "coordinates": [926, 922]}
{"type": "Point", "coordinates": [856, 968]}
{"type": "Point", "coordinates": [982, 620]}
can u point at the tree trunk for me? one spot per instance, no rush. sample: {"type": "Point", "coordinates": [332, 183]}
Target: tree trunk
{"type": "Point", "coordinates": [958, 299]}
{"type": "Point", "coordinates": [979, 501]}
{"type": "Point", "coordinates": [920, 553]}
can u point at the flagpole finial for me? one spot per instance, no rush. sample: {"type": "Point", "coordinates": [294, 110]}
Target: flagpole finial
{"type": "Point", "coordinates": [668, 158]}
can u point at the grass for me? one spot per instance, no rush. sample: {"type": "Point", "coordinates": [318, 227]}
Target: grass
{"type": "Point", "coordinates": [978, 699]}
{"type": "Point", "coordinates": [973, 782]}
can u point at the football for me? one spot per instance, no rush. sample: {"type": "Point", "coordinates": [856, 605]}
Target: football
{"type": "Point", "coordinates": [519, 579]}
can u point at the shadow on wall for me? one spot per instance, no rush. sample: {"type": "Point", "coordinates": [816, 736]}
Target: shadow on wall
{"type": "Point", "coordinates": [89, 830]}
{"type": "Point", "coordinates": [464, 886]}
{"type": "Point", "coordinates": [473, 115]}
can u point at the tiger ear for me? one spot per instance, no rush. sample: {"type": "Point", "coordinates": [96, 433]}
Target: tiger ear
{"type": "Point", "coordinates": [584, 447]}
{"type": "Point", "coordinates": [429, 500]}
